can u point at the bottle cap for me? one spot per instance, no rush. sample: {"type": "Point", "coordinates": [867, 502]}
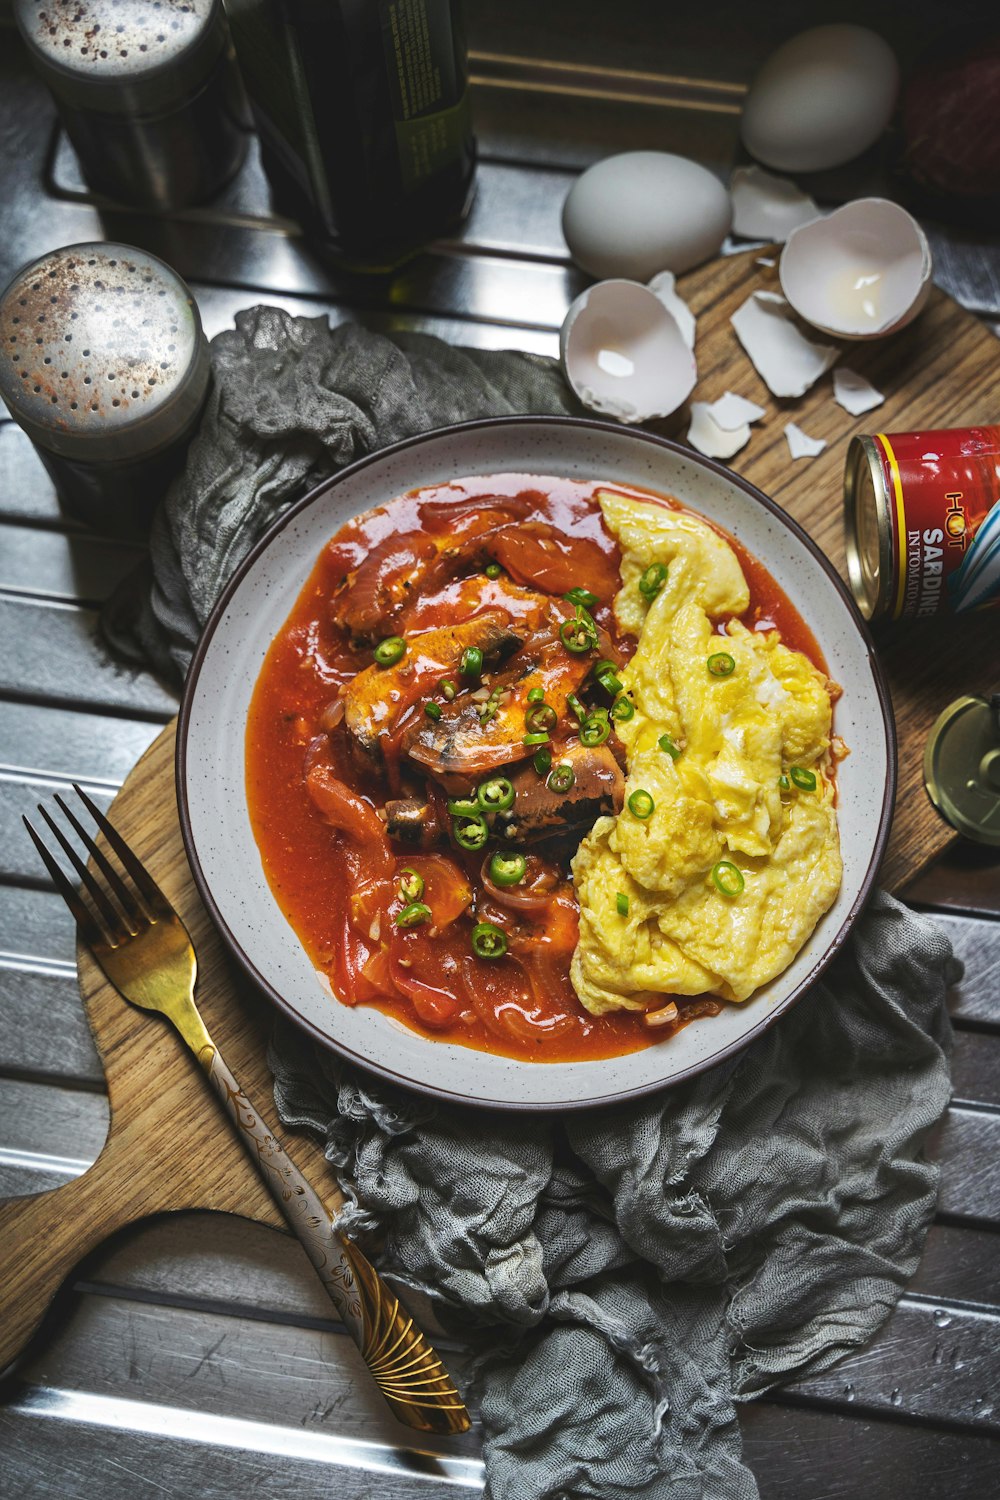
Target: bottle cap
{"type": "Point", "coordinates": [962, 767]}
{"type": "Point", "coordinates": [122, 56]}
{"type": "Point", "coordinates": [102, 354]}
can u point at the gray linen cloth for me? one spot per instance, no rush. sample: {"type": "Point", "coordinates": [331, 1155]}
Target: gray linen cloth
{"type": "Point", "coordinates": [626, 1275]}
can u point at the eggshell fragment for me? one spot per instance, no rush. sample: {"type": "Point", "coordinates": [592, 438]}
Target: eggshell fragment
{"type": "Point", "coordinates": [784, 358]}
{"type": "Point", "coordinates": [624, 354]}
{"type": "Point", "coordinates": [664, 287]}
{"type": "Point", "coordinates": [821, 99]}
{"type": "Point", "coordinates": [800, 444]}
{"type": "Point", "coordinates": [708, 435]}
{"type": "Point", "coordinates": [633, 215]}
{"type": "Point", "coordinates": [766, 207]}
{"type": "Point", "coordinates": [862, 272]}
{"type": "Point", "coordinates": [853, 392]}
{"type": "Point", "coordinates": [732, 411]}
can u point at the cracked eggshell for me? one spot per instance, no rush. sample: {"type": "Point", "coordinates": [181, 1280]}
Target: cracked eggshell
{"type": "Point", "coordinates": [664, 286]}
{"type": "Point", "coordinates": [624, 354]}
{"type": "Point", "coordinates": [861, 273]}
{"type": "Point", "coordinates": [766, 207]}
{"type": "Point", "coordinates": [786, 361]}
{"type": "Point", "coordinates": [642, 212]}
{"type": "Point", "coordinates": [709, 436]}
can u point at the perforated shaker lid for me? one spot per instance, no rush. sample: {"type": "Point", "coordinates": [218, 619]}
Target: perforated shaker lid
{"type": "Point", "coordinates": [122, 55]}
{"type": "Point", "coordinates": [102, 354]}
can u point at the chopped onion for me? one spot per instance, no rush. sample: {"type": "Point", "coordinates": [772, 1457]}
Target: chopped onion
{"type": "Point", "coordinates": [515, 897]}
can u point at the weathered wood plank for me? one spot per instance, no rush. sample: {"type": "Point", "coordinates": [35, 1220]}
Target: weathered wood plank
{"type": "Point", "coordinates": [51, 653]}
{"type": "Point", "coordinates": [56, 742]}
{"type": "Point", "coordinates": [48, 1134]}
{"type": "Point", "coordinates": [976, 998]}
{"type": "Point", "coordinates": [808, 1454]}
{"type": "Point", "coordinates": [72, 565]}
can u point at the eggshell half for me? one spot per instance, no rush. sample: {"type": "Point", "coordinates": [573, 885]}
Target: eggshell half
{"type": "Point", "coordinates": [860, 273]}
{"type": "Point", "coordinates": [642, 212]}
{"type": "Point", "coordinates": [821, 99]}
{"type": "Point", "coordinates": [624, 354]}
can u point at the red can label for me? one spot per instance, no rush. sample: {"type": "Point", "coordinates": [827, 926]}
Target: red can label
{"type": "Point", "coordinates": [943, 491]}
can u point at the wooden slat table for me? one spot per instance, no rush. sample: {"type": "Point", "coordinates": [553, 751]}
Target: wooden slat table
{"type": "Point", "coordinates": [194, 1357]}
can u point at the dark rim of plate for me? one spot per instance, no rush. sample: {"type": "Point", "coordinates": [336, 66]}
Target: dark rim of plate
{"type": "Point", "coordinates": [618, 1095]}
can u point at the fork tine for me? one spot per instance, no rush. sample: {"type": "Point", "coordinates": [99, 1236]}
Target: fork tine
{"type": "Point", "coordinates": [88, 926]}
{"type": "Point", "coordinates": [130, 908]}
{"type": "Point", "coordinates": [117, 930]}
{"type": "Point", "coordinates": [147, 886]}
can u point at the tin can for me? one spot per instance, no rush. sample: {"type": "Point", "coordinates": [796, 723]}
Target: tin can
{"type": "Point", "coordinates": [922, 519]}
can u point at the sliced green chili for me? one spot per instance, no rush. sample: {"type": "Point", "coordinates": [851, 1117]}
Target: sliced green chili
{"type": "Point", "coordinates": [413, 915]}
{"type": "Point", "coordinates": [784, 784]}
{"type": "Point", "coordinates": [621, 904]}
{"type": "Point", "coordinates": [652, 580]}
{"type": "Point", "coordinates": [721, 664]}
{"type": "Point", "coordinates": [561, 777]}
{"type": "Point", "coordinates": [594, 730]}
{"type": "Point", "coordinates": [667, 745]}
{"type": "Point", "coordinates": [493, 570]}
{"type": "Point", "coordinates": [495, 795]}
{"type": "Point", "coordinates": [577, 636]}
{"type": "Point", "coordinates": [448, 687]}
{"type": "Point", "coordinates": [538, 738]}
{"type": "Point", "coordinates": [471, 664]}
{"type": "Point", "coordinates": [804, 780]}
{"type": "Point", "coordinates": [542, 761]}
{"type": "Point", "coordinates": [582, 596]}
{"type": "Point", "coordinates": [576, 707]}
{"type": "Point", "coordinates": [641, 804]}
{"type": "Point", "coordinates": [488, 941]}
{"type": "Point", "coordinates": [536, 694]}
{"type": "Point", "coordinates": [410, 885]}
{"type": "Point", "coordinates": [508, 869]}
{"type": "Point", "coordinates": [727, 879]}
{"type": "Point", "coordinates": [432, 710]}
{"type": "Point", "coordinates": [623, 709]}
{"type": "Point", "coordinates": [464, 807]}
{"type": "Point", "coordinates": [388, 652]}
{"type": "Point", "coordinates": [540, 716]}
{"type": "Point", "coordinates": [470, 832]}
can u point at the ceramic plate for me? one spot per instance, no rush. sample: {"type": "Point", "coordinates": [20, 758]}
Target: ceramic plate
{"type": "Point", "coordinates": [210, 755]}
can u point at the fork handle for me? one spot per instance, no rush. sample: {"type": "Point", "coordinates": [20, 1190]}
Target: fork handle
{"type": "Point", "coordinates": [406, 1369]}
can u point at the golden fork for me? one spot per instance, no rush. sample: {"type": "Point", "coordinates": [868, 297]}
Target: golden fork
{"type": "Point", "coordinates": [145, 951]}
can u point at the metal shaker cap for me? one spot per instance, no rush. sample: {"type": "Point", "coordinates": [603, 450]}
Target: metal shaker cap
{"type": "Point", "coordinates": [102, 354]}
{"type": "Point", "coordinates": [123, 56]}
{"type": "Point", "coordinates": [962, 767]}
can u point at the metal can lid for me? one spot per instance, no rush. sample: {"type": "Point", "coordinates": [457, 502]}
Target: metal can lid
{"type": "Point", "coordinates": [962, 767]}
{"type": "Point", "coordinates": [102, 354]}
{"type": "Point", "coordinates": [867, 527]}
{"type": "Point", "coordinates": [122, 56]}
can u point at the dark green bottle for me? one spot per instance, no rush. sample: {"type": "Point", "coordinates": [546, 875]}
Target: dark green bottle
{"type": "Point", "coordinates": [363, 114]}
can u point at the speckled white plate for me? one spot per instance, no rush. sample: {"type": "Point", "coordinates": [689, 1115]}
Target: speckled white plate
{"type": "Point", "coordinates": [211, 775]}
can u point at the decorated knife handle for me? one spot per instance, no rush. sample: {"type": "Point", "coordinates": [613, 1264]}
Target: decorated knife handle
{"type": "Point", "coordinates": [407, 1370]}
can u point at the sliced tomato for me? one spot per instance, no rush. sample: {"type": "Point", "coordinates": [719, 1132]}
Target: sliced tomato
{"type": "Point", "coordinates": [447, 888]}
{"type": "Point", "coordinates": [535, 552]}
{"type": "Point", "coordinates": [352, 814]}
{"type": "Point", "coordinates": [413, 970]}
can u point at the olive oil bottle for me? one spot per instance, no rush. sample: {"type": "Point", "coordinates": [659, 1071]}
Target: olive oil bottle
{"type": "Point", "coordinates": [363, 115]}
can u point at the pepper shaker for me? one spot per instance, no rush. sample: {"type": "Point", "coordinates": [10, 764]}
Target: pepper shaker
{"type": "Point", "coordinates": [148, 92]}
{"type": "Point", "coordinates": [104, 364]}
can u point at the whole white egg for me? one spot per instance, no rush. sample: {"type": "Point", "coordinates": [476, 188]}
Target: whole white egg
{"type": "Point", "coordinates": [642, 212]}
{"type": "Point", "coordinates": [821, 99]}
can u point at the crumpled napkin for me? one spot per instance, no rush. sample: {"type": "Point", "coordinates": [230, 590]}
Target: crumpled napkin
{"type": "Point", "coordinates": [627, 1275]}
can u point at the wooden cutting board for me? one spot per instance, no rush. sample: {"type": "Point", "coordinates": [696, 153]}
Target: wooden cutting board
{"type": "Point", "coordinates": [169, 1146]}
{"type": "Point", "coordinates": [942, 371]}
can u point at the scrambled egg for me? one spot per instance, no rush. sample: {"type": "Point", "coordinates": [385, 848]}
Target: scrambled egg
{"type": "Point", "coordinates": [727, 799]}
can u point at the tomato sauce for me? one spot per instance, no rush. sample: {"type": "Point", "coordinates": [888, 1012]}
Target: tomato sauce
{"type": "Point", "coordinates": [317, 805]}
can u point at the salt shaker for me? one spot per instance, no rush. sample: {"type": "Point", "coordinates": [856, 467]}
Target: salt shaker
{"type": "Point", "coordinates": [148, 91]}
{"type": "Point", "coordinates": [104, 364]}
